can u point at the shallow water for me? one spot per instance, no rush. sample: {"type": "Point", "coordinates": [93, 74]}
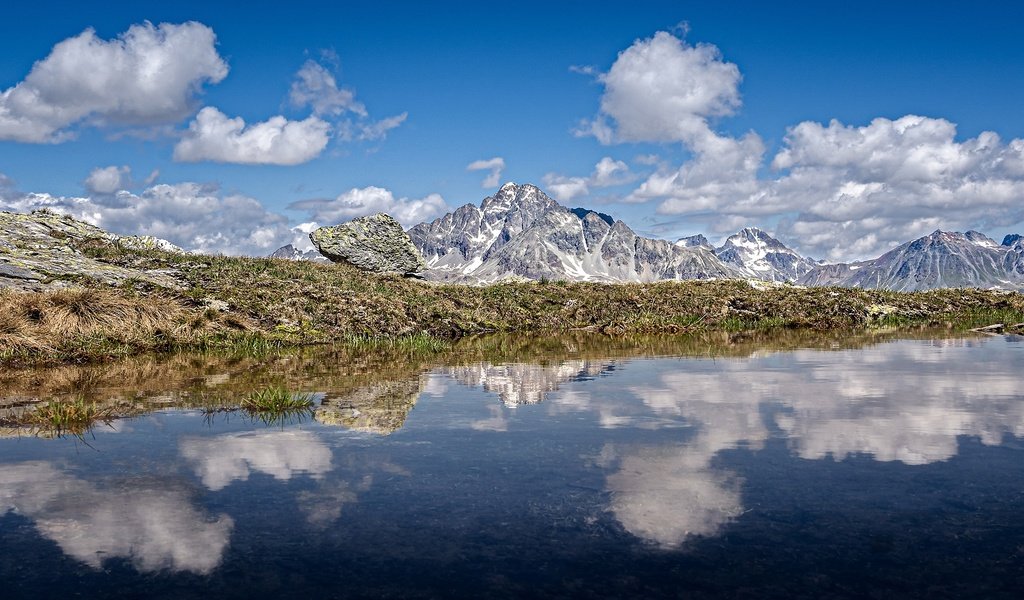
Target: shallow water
{"type": "Point", "coordinates": [875, 466]}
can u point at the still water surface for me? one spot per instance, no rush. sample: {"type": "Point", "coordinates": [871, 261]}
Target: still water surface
{"type": "Point", "coordinates": [808, 467]}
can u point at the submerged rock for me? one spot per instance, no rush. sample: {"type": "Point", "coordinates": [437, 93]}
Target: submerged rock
{"type": "Point", "coordinates": [375, 243]}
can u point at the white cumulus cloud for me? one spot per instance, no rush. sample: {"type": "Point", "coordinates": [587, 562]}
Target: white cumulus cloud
{"type": "Point", "coordinates": [835, 190]}
{"type": "Point", "coordinates": [277, 141]}
{"type": "Point", "coordinates": [222, 459]}
{"type": "Point", "coordinates": [358, 202]}
{"type": "Point", "coordinates": [874, 186]}
{"type": "Point", "coordinates": [847, 192]}
{"type": "Point", "coordinates": [155, 528]}
{"type": "Point", "coordinates": [107, 180]}
{"type": "Point", "coordinates": [494, 166]}
{"type": "Point", "coordinates": [661, 89]}
{"type": "Point", "coordinates": [607, 172]}
{"type": "Point", "coordinates": [151, 74]}
{"type": "Point", "coordinates": [316, 87]}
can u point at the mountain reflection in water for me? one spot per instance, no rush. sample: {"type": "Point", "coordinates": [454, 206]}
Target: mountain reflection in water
{"type": "Point", "coordinates": [504, 448]}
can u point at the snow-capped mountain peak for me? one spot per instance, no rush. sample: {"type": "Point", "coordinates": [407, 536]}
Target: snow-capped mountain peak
{"type": "Point", "coordinates": [762, 256]}
{"type": "Point", "coordinates": [939, 259]}
{"type": "Point", "coordinates": [522, 233]}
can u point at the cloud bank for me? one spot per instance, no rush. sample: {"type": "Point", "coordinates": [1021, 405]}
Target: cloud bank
{"type": "Point", "coordinates": [204, 218]}
{"type": "Point", "coordinates": [193, 216]}
{"type": "Point", "coordinates": [835, 190]}
{"type": "Point", "coordinates": [358, 202]}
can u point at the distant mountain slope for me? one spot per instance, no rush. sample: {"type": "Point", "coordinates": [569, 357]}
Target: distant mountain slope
{"type": "Point", "coordinates": [521, 232]}
{"type": "Point", "coordinates": [290, 252]}
{"type": "Point", "coordinates": [940, 259]}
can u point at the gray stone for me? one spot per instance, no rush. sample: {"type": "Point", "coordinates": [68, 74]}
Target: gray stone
{"type": "Point", "coordinates": [18, 273]}
{"type": "Point", "coordinates": [375, 243]}
{"type": "Point", "coordinates": [40, 250]}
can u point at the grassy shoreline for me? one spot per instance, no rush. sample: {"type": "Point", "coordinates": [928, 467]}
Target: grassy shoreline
{"type": "Point", "coordinates": [253, 305]}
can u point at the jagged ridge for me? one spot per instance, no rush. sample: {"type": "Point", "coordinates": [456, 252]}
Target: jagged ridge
{"type": "Point", "coordinates": [522, 233]}
{"type": "Point", "coordinates": [940, 259]}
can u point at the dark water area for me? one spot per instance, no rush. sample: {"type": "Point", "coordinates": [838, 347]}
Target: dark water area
{"type": "Point", "coordinates": [880, 466]}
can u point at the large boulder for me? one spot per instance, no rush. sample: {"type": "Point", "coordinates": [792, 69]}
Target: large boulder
{"type": "Point", "coordinates": [42, 250]}
{"type": "Point", "coordinates": [375, 243]}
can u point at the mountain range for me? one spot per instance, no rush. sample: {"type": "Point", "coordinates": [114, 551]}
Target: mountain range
{"type": "Point", "coordinates": [521, 233]}
{"type": "Point", "coordinates": [937, 260]}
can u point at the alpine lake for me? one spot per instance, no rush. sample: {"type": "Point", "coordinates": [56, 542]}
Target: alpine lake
{"type": "Point", "coordinates": [868, 464]}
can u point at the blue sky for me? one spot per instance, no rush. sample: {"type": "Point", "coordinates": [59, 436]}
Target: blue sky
{"type": "Point", "coordinates": [477, 82]}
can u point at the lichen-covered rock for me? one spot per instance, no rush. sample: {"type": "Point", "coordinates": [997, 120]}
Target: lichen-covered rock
{"type": "Point", "coordinates": [40, 250]}
{"type": "Point", "coordinates": [375, 243]}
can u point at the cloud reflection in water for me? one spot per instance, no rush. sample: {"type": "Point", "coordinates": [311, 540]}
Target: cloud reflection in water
{"type": "Point", "coordinates": [155, 528]}
{"type": "Point", "coordinates": [907, 401]}
{"type": "Point", "coordinates": [225, 458]}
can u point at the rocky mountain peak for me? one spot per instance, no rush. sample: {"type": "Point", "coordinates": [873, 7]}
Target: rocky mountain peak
{"type": "Point", "coordinates": [981, 239]}
{"type": "Point", "coordinates": [694, 241]}
{"type": "Point", "coordinates": [753, 236]}
{"type": "Point", "coordinates": [520, 232]}
{"type": "Point", "coordinates": [511, 196]}
{"type": "Point", "coordinates": [1012, 239]}
{"type": "Point", "coordinates": [290, 252]}
{"type": "Point", "coordinates": [586, 213]}
{"type": "Point", "coordinates": [762, 256]}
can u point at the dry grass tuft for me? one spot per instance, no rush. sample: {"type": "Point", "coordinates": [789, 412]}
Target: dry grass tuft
{"type": "Point", "coordinates": [104, 321]}
{"type": "Point", "coordinates": [90, 311]}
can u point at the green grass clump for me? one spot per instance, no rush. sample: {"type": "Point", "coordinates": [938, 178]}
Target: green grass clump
{"type": "Point", "coordinates": [70, 417]}
{"type": "Point", "coordinates": [276, 405]}
{"type": "Point", "coordinates": [276, 399]}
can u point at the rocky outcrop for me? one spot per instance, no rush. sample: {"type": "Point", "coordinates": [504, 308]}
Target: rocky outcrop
{"type": "Point", "coordinates": [694, 241]}
{"type": "Point", "coordinates": [41, 250]}
{"type": "Point", "coordinates": [375, 243]}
